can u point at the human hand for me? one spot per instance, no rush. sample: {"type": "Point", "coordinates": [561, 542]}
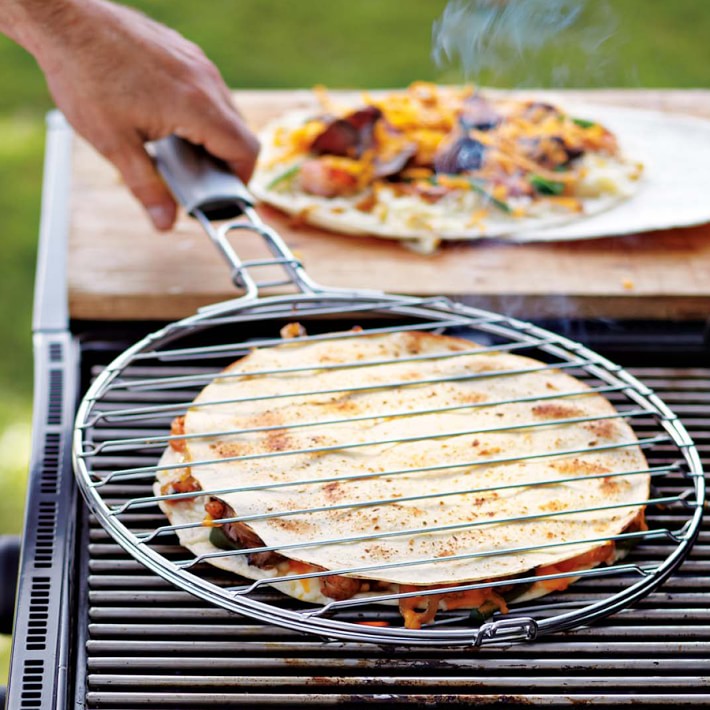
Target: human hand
{"type": "Point", "coordinates": [122, 79]}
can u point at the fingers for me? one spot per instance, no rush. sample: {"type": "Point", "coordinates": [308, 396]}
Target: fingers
{"type": "Point", "coordinates": [237, 146]}
{"type": "Point", "coordinates": [225, 135]}
{"type": "Point", "coordinates": [142, 179]}
{"type": "Point", "coordinates": [210, 118]}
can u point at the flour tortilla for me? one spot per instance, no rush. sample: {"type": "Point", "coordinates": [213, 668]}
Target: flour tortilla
{"type": "Point", "coordinates": [197, 540]}
{"type": "Point", "coordinates": [675, 152]}
{"type": "Point", "coordinates": [423, 225]}
{"type": "Point", "coordinates": [442, 449]}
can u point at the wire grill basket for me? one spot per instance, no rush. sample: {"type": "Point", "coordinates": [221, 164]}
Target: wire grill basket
{"type": "Point", "coordinates": [123, 427]}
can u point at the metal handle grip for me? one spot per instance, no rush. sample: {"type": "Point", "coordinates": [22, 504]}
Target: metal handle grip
{"type": "Point", "coordinates": [198, 180]}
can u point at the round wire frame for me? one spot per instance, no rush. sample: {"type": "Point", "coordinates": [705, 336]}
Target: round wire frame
{"type": "Point", "coordinates": [680, 463]}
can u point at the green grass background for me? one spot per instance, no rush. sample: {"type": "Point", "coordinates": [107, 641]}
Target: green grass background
{"type": "Point", "coordinates": [281, 43]}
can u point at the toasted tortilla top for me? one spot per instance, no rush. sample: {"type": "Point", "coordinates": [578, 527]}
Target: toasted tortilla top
{"type": "Point", "coordinates": [471, 468]}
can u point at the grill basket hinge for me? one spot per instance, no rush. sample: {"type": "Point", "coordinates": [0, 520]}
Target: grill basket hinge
{"type": "Point", "coordinates": [522, 629]}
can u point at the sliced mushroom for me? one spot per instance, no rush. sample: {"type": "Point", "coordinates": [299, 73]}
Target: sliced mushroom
{"type": "Point", "coordinates": [464, 153]}
{"type": "Point", "coordinates": [478, 113]}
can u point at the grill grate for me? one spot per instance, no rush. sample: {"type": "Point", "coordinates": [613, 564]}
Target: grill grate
{"type": "Point", "coordinates": [124, 420]}
{"type": "Point", "coordinates": [149, 644]}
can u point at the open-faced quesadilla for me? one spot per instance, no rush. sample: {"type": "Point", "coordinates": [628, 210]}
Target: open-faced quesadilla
{"type": "Point", "coordinates": [431, 163]}
{"type": "Point", "coordinates": [403, 462]}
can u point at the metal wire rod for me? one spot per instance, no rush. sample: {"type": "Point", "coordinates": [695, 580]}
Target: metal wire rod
{"type": "Point", "coordinates": [348, 365]}
{"type": "Point", "coordinates": [426, 437]}
{"type": "Point", "coordinates": [320, 337]}
{"type": "Point", "coordinates": [643, 570]}
{"type": "Point", "coordinates": [273, 309]}
{"type": "Point", "coordinates": [316, 574]}
{"type": "Point", "coordinates": [417, 531]}
{"type": "Point", "coordinates": [385, 501]}
{"type": "Point", "coordinates": [144, 471]}
{"type": "Point", "coordinates": [92, 448]}
{"type": "Point", "coordinates": [117, 414]}
{"type": "Point", "coordinates": [149, 501]}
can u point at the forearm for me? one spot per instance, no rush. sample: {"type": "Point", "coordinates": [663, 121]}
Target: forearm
{"type": "Point", "coordinates": [122, 79]}
{"type": "Point", "coordinates": [29, 22]}
{"type": "Point", "coordinates": [46, 27]}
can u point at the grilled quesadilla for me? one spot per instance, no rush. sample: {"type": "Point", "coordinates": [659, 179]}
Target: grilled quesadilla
{"type": "Point", "coordinates": [403, 462]}
{"type": "Point", "coordinates": [431, 163]}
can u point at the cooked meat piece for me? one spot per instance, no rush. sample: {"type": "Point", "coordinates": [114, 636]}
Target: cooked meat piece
{"type": "Point", "coordinates": [348, 137]}
{"type": "Point", "coordinates": [177, 428]}
{"type": "Point", "coordinates": [325, 177]}
{"type": "Point", "coordinates": [185, 484]}
{"type": "Point", "coordinates": [429, 193]}
{"type": "Point", "coordinates": [216, 509]}
{"type": "Point", "coordinates": [337, 587]}
{"type": "Point", "coordinates": [339, 138]}
{"type": "Point", "coordinates": [242, 536]}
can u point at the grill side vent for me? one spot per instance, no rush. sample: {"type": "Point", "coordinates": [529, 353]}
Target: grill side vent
{"type": "Point", "coordinates": [49, 482]}
{"type": "Point", "coordinates": [38, 615]}
{"type": "Point", "coordinates": [40, 631]}
{"type": "Point", "coordinates": [56, 398]}
{"type": "Point", "coordinates": [32, 684]}
{"type": "Point", "coordinates": [55, 352]}
{"type": "Point", "coordinates": [46, 532]}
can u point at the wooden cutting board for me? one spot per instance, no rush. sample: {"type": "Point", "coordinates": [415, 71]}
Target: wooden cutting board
{"type": "Point", "coordinates": [119, 268]}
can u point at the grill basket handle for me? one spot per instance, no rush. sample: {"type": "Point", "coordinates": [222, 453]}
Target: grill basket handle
{"type": "Point", "coordinates": [199, 181]}
{"type": "Point", "coordinates": [208, 190]}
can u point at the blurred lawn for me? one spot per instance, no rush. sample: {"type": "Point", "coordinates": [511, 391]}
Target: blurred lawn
{"type": "Point", "coordinates": [275, 43]}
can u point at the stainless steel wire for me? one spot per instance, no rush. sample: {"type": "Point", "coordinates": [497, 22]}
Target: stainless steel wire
{"type": "Point", "coordinates": [160, 441]}
{"type": "Point", "coordinates": [104, 432]}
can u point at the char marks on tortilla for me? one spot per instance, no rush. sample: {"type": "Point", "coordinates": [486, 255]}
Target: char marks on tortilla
{"type": "Point", "coordinates": [480, 465]}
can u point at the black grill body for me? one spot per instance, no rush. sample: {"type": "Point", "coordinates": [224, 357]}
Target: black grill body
{"type": "Point", "coordinates": [94, 629]}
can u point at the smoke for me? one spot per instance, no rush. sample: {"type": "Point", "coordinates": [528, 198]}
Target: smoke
{"type": "Point", "coordinates": [526, 42]}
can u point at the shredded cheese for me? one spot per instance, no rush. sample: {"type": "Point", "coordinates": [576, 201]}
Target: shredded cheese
{"type": "Point", "coordinates": [514, 158]}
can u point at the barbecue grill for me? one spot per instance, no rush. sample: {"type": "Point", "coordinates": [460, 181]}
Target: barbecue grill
{"type": "Point", "coordinates": [96, 628]}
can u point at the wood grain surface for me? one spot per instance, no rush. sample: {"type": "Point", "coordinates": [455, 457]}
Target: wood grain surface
{"type": "Point", "coordinates": [119, 268]}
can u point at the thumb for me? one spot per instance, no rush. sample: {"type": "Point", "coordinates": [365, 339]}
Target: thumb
{"type": "Point", "coordinates": [142, 179]}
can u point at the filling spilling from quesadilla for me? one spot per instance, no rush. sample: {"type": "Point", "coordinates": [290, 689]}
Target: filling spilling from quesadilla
{"type": "Point", "coordinates": [443, 161]}
{"type": "Point", "coordinates": [434, 464]}
{"type": "Point", "coordinates": [416, 610]}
